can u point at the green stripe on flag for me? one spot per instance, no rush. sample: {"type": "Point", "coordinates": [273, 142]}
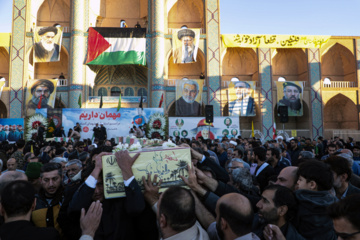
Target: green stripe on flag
{"type": "Point", "coordinates": [120, 58]}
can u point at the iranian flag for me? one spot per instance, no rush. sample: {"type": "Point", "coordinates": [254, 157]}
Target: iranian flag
{"type": "Point", "coordinates": [116, 46]}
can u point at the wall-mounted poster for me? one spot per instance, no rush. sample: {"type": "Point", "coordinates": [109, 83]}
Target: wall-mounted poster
{"type": "Point", "coordinates": [290, 94]}
{"type": "Point", "coordinates": [47, 44]}
{"type": "Point", "coordinates": [41, 93]}
{"type": "Point", "coordinates": [197, 127]}
{"type": "Point", "coordinates": [241, 98]}
{"type": "Point", "coordinates": [11, 129]}
{"type": "Point", "coordinates": [185, 45]}
{"type": "Point", "coordinates": [188, 95]}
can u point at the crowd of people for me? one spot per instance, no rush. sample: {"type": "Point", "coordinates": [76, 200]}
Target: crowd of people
{"type": "Point", "coordinates": [237, 188]}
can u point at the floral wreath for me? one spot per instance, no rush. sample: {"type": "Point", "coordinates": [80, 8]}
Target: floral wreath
{"type": "Point", "coordinates": [32, 123]}
{"type": "Point", "coordinates": [157, 125]}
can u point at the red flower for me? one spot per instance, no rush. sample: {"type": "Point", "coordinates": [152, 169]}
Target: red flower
{"type": "Point", "coordinates": [35, 124]}
{"type": "Point", "coordinates": [157, 124]}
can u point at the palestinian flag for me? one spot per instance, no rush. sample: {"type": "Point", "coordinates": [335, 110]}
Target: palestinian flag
{"type": "Point", "coordinates": [116, 46]}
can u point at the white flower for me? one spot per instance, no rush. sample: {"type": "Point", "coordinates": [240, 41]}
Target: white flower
{"type": "Point", "coordinates": [135, 147]}
{"type": "Point", "coordinates": [168, 144]}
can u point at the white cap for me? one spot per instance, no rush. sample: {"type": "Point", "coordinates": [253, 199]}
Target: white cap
{"type": "Point", "coordinates": [233, 143]}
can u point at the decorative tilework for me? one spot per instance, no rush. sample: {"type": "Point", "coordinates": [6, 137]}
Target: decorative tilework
{"type": "Point", "coordinates": [213, 55]}
{"type": "Point", "coordinates": [316, 99]}
{"type": "Point", "coordinates": [266, 100]}
{"type": "Point", "coordinates": [17, 55]}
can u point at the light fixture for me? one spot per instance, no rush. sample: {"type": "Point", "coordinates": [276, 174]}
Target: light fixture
{"type": "Point", "coordinates": [281, 79]}
{"type": "Point", "coordinates": [235, 79]}
{"type": "Point", "coordinates": [185, 78]}
{"type": "Point", "coordinates": [184, 27]}
{"type": "Point", "coordinates": [327, 81]}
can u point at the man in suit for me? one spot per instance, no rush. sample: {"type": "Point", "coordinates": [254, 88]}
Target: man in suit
{"type": "Point", "coordinates": [187, 105]}
{"type": "Point", "coordinates": [47, 50]}
{"type": "Point", "coordinates": [185, 53]}
{"type": "Point", "coordinates": [244, 105]}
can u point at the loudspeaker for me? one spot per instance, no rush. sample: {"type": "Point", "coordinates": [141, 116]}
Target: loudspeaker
{"type": "Point", "coordinates": [209, 113]}
{"type": "Point", "coordinates": [283, 111]}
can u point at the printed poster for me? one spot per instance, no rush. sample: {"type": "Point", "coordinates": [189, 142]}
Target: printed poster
{"type": "Point", "coordinates": [189, 127]}
{"type": "Point", "coordinates": [290, 94]}
{"type": "Point", "coordinates": [185, 44]}
{"type": "Point", "coordinates": [169, 164]}
{"type": "Point", "coordinates": [117, 123]}
{"type": "Point", "coordinates": [11, 129]}
{"type": "Point", "coordinates": [241, 98]}
{"type": "Point", "coordinates": [188, 97]}
{"type": "Point", "coordinates": [40, 93]}
{"type": "Point", "coordinates": [47, 44]}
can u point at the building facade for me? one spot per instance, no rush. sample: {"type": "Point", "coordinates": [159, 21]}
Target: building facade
{"type": "Point", "coordinates": [328, 109]}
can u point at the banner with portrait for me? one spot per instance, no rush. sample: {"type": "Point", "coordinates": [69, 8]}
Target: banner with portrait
{"type": "Point", "coordinates": [189, 97]}
{"type": "Point", "coordinates": [241, 98]}
{"type": "Point", "coordinates": [290, 94]}
{"type": "Point", "coordinates": [11, 129]}
{"type": "Point", "coordinates": [117, 123]}
{"type": "Point", "coordinates": [40, 93]}
{"type": "Point", "coordinates": [47, 44]}
{"type": "Point", "coordinates": [188, 127]}
{"type": "Point", "coordinates": [185, 44]}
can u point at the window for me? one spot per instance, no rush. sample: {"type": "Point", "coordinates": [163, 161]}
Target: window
{"type": "Point", "coordinates": [115, 91]}
{"type": "Point", "coordinates": [102, 92]}
{"type": "Point", "coordinates": [129, 91]}
{"type": "Point", "coordinates": [142, 91]}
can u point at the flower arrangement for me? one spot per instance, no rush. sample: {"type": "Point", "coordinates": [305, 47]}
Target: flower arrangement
{"type": "Point", "coordinates": [31, 125]}
{"type": "Point", "coordinates": [168, 144]}
{"type": "Point", "coordinates": [157, 126]}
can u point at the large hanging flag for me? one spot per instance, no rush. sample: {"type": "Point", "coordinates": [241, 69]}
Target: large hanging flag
{"type": "Point", "coordinates": [116, 46]}
{"type": "Point", "coordinates": [119, 103]}
{"type": "Point", "coordinates": [161, 100]}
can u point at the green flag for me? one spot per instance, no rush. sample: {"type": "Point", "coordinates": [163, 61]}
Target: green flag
{"type": "Point", "coordinates": [101, 101]}
{"type": "Point", "coordinates": [79, 101]}
{"type": "Point", "coordinates": [119, 103]}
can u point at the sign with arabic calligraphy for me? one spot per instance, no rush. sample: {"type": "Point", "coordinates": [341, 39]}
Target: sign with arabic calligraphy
{"type": "Point", "coordinates": [274, 41]}
{"type": "Point", "coordinates": [117, 123]}
{"type": "Point", "coordinates": [168, 164]}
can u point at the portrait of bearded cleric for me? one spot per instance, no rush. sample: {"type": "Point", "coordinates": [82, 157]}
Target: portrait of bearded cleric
{"type": "Point", "coordinates": [47, 44]}
{"type": "Point", "coordinates": [291, 97]}
{"type": "Point", "coordinates": [40, 94]}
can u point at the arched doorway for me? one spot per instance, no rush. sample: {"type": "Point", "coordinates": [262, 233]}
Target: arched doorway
{"type": "Point", "coordinates": [291, 64]}
{"type": "Point", "coordinates": [338, 64]}
{"type": "Point", "coordinates": [340, 113]}
{"type": "Point", "coordinates": [54, 12]}
{"type": "Point", "coordinates": [186, 12]}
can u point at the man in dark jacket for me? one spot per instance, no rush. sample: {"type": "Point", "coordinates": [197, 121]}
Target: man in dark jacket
{"type": "Point", "coordinates": [277, 208]}
{"type": "Point", "coordinates": [294, 152]}
{"type": "Point", "coordinates": [263, 170]}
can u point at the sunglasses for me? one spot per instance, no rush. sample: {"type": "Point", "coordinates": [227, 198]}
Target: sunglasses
{"type": "Point", "coordinates": [345, 236]}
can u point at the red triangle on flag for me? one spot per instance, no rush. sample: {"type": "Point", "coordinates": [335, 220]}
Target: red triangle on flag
{"type": "Point", "coordinates": [97, 44]}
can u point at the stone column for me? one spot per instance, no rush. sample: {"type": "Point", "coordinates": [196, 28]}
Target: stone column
{"type": "Point", "coordinates": [316, 97]}
{"type": "Point", "coordinates": [157, 52]}
{"type": "Point", "coordinates": [266, 99]}
{"type": "Point", "coordinates": [17, 59]}
{"type": "Point", "coordinates": [213, 54]}
{"type": "Point", "coordinates": [77, 53]}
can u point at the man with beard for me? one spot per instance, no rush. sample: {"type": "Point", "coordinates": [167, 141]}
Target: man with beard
{"type": "Point", "coordinates": [292, 99]}
{"type": "Point", "coordinates": [187, 104]}
{"type": "Point", "coordinates": [275, 210]}
{"type": "Point", "coordinates": [41, 89]}
{"type": "Point", "coordinates": [3, 135]}
{"type": "Point", "coordinates": [47, 50]}
{"type": "Point", "coordinates": [185, 53]}
{"type": "Point", "coordinates": [244, 105]}
{"type": "Point", "coordinates": [14, 135]}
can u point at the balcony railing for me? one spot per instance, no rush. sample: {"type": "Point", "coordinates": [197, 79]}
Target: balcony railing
{"type": "Point", "coordinates": [339, 84]}
{"type": "Point", "coordinates": [62, 82]}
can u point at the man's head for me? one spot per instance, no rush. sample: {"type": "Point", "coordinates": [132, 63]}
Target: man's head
{"type": "Point", "coordinates": [73, 167]}
{"type": "Point", "coordinates": [42, 88]}
{"type": "Point", "coordinates": [47, 35]}
{"type": "Point", "coordinates": [186, 36]}
{"type": "Point", "coordinates": [51, 178]}
{"type": "Point", "coordinates": [356, 151]}
{"type": "Point", "coordinates": [341, 170]}
{"type": "Point", "coordinates": [331, 149]}
{"type": "Point", "coordinates": [293, 143]}
{"type": "Point", "coordinates": [242, 89]}
{"type": "Point", "coordinates": [9, 177]}
{"type": "Point", "coordinates": [176, 210]}
{"type": "Point", "coordinates": [273, 152]}
{"type": "Point", "coordinates": [291, 91]}
{"type": "Point", "coordinates": [315, 176]}
{"type": "Point", "coordinates": [80, 146]}
{"type": "Point", "coordinates": [11, 164]}
{"type": "Point", "coordinates": [190, 90]}
{"type": "Point", "coordinates": [260, 154]}
{"type": "Point", "coordinates": [346, 217]}
{"type": "Point", "coordinates": [17, 199]}
{"type": "Point", "coordinates": [234, 215]}
{"type": "Point", "coordinates": [276, 203]}
{"type": "Point", "coordinates": [288, 177]}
